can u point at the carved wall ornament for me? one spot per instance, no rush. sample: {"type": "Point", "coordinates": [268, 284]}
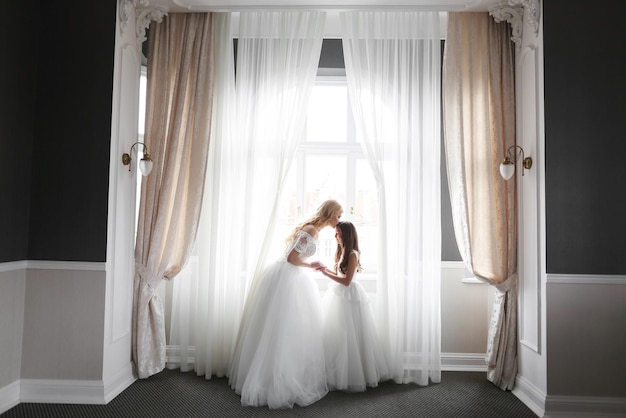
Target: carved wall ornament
{"type": "Point", "coordinates": [512, 14]}
{"type": "Point", "coordinates": [531, 10]}
{"type": "Point", "coordinates": [144, 14]}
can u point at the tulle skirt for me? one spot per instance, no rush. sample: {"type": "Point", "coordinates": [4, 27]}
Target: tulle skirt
{"type": "Point", "coordinates": [278, 360]}
{"type": "Point", "coordinates": [354, 357]}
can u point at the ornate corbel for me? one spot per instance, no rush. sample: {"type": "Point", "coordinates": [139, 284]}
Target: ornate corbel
{"type": "Point", "coordinates": [531, 10]}
{"type": "Point", "coordinates": [144, 14]}
{"type": "Point", "coordinates": [512, 14]}
{"type": "Point", "coordinates": [125, 9]}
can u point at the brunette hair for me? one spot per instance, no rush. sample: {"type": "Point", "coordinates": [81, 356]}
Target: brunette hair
{"type": "Point", "coordinates": [350, 241]}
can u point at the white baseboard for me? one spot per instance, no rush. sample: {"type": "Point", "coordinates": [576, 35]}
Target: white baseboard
{"type": "Point", "coordinates": [530, 395]}
{"type": "Point", "coordinates": [93, 392]}
{"type": "Point", "coordinates": [450, 362]}
{"type": "Point", "coordinates": [584, 406]}
{"type": "Point", "coordinates": [116, 384]}
{"type": "Point", "coordinates": [9, 396]}
{"type": "Point", "coordinates": [568, 406]}
{"type": "Point", "coordinates": [62, 391]}
{"type": "Point", "coordinates": [463, 362]}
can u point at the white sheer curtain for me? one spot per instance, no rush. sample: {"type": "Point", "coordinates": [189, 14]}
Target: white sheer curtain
{"type": "Point", "coordinates": [262, 121]}
{"type": "Point", "coordinates": [393, 66]}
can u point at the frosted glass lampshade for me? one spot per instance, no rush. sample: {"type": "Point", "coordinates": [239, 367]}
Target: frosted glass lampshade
{"type": "Point", "coordinates": [145, 165]}
{"type": "Point", "coordinates": [507, 168]}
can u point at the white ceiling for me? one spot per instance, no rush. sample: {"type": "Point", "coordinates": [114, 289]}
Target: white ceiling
{"type": "Point", "coordinates": [238, 5]}
{"type": "Point", "coordinates": [332, 7]}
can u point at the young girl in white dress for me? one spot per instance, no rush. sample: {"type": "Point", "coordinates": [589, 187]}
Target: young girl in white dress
{"type": "Point", "coordinates": [278, 358]}
{"type": "Point", "coordinates": [354, 358]}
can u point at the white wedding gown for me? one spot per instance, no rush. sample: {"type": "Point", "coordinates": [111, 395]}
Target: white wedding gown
{"type": "Point", "coordinates": [354, 357]}
{"type": "Point", "coordinates": [278, 359]}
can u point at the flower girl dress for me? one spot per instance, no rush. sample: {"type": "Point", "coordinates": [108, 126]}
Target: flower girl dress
{"type": "Point", "coordinates": [354, 357]}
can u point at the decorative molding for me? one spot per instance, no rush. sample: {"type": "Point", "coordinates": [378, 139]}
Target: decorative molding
{"type": "Point", "coordinates": [591, 279]}
{"type": "Point", "coordinates": [453, 265]}
{"type": "Point", "coordinates": [52, 265]}
{"type": "Point", "coordinates": [567, 406]}
{"type": "Point", "coordinates": [118, 382]}
{"type": "Point", "coordinates": [144, 14]}
{"type": "Point", "coordinates": [463, 362]}
{"type": "Point", "coordinates": [9, 396]}
{"type": "Point", "coordinates": [531, 10]}
{"type": "Point", "coordinates": [531, 395]}
{"type": "Point", "coordinates": [585, 406]}
{"type": "Point", "coordinates": [62, 391]}
{"type": "Point", "coordinates": [66, 265]}
{"type": "Point", "coordinates": [383, 5]}
{"type": "Point", "coordinates": [514, 12]}
{"type": "Point", "coordinates": [13, 266]}
{"type": "Point", "coordinates": [125, 9]}
{"type": "Point", "coordinates": [454, 362]}
{"type": "Point", "coordinates": [94, 392]}
{"type": "Point", "coordinates": [472, 280]}
{"type": "Point", "coordinates": [514, 15]}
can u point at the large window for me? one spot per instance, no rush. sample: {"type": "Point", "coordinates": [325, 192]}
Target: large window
{"type": "Point", "coordinates": [330, 164]}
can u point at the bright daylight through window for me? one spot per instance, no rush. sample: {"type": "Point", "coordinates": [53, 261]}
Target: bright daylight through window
{"type": "Point", "coordinates": [330, 164]}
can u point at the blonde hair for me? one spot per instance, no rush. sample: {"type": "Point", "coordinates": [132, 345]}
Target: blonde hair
{"type": "Point", "coordinates": [322, 215]}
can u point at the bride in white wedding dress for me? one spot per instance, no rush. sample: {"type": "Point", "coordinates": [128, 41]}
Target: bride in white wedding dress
{"type": "Point", "coordinates": [278, 359]}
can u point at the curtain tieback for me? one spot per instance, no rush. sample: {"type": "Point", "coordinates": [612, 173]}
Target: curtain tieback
{"type": "Point", "coordinates": [146, 274]}
{"type": "Point", "coordinates": [506, 285]}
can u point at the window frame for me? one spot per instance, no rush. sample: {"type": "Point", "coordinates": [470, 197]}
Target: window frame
{"type": "Point", "coordinates": [353, 152]}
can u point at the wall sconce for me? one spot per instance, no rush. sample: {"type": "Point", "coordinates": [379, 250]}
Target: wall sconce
{"type": "Point", "coordinates": [145, 164]}
{"type": "Point", "coordinates": [507, 168]}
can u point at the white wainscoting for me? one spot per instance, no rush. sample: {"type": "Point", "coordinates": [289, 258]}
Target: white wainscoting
{"type": "Point", "coordinates": [84, 391]}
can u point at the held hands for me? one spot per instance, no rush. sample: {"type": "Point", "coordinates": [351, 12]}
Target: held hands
{"type": "Point", "coordinates": [320, 267]}
{"type": "Point", "coordinates": [317, 265]}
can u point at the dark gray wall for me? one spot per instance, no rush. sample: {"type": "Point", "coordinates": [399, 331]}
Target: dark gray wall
{"type": "Point", "coordinates": [18, 48]}
{"type": "Point", "coordinates": [585, 109]}
{"type": "Point", "coordinates": [55, 129]}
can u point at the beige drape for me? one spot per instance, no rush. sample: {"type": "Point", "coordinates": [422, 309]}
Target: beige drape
{"type": "Point", "coordinates": [479, 124]}
{"type": "Point", "coordinates": [178, 114]}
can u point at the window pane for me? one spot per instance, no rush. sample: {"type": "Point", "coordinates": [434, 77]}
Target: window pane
{"type": "Point", "coordinates": [143, 80]}
{"type": "Point", "coordinates": [324, 178]}
{"type": "Point", "coordinates": [328, 114]}
{"type": "Point", "coordinates": [330, 166]}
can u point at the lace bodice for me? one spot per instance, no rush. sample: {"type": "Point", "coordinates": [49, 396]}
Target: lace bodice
{"type": "Point", "coordinates": [303, 243]}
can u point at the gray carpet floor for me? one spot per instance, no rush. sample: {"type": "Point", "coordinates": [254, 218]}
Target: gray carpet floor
{"type": "Point", "coordinates": [172, 393]}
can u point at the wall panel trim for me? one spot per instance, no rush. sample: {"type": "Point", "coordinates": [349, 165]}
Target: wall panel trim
{"type": "Point", "coordinates": [52, 265]}
{"type": "Point", "coordinates": [585, 279]}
